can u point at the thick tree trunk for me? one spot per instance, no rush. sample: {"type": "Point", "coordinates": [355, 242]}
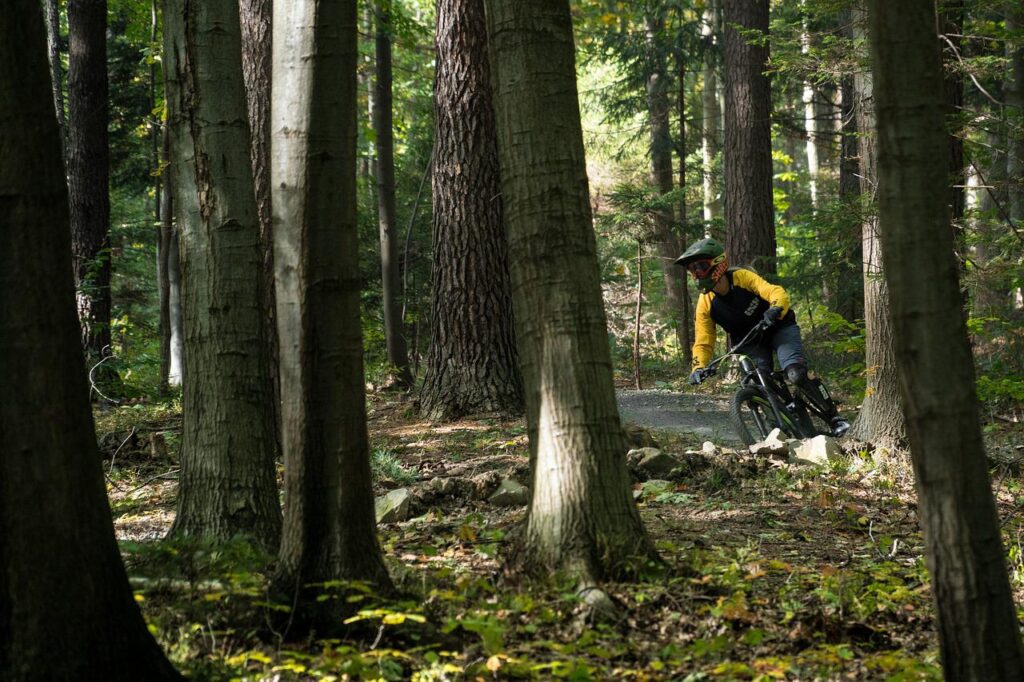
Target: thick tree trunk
{"type": "Point", "coordinates": [979, 634]}
{"type": "Point", "coordinates": [472, 366]}
{"type": "Point", "coordinates": [749, 210]}
{"type": "Point", "coordinates": [581, 518]}
{"type": "Point", "coordinates": [666, 240]}
{"type": "Point", "coordinates": [880, 420]}
{"type": "Point", "coordinates": [330, 530]}
{"type": "Point", "coordinates": [227, 483]}
{"type": "Point", "coordinates": [88, 174]}
{"type": "Point", "coordinates": [712, 113]}
{"type": "Point", "coordinates": [53, 46]}
{"type": "Point", "coordinates": [67, 612]}
{"type": "Point", "coordinates": [390, 267]}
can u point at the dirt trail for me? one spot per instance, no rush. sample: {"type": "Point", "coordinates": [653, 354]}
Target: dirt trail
{"type": "Point", "coordinates": [703, 415]}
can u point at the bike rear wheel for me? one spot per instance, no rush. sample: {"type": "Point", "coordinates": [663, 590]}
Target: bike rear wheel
{"type": "Point", "coordinates": [753, 418]}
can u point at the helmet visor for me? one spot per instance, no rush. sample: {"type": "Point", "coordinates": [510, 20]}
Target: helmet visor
{"type": "Point", "coordinates": [700, 268]}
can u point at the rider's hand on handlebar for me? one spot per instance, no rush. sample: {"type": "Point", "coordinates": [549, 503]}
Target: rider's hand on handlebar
{"type": "Point", "coordinates": [699, 375]}
{"type": "Point", "coordinates": [771, 315]}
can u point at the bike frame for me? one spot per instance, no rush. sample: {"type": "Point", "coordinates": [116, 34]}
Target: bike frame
{"type": "Point", "coordinates": [786, 406]}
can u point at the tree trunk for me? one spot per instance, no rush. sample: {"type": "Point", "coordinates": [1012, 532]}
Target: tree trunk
{"type": "Point", "coordinates": [53, 45]}
{"type": "Point", "coordinates": [848, 294]}
{"type": "Point", "coordinates": [581, 518]}
{"type": "Point", "coordinates": [472, 366]}
{"type": "Point", "coordinates": [330, 529]}
{"type": "Point", "coordinates": [227, 484]}
{"type": "Point", "coordinates": [390, 267]}
{"type": "Point", "coordinates": [666, 238]}
{"type": "Point", "coordinates": [686, 321]}
{"type": "Point", "coordinates": [749, 211]}
{"type": "Point", "coordinates": [880, 420]}
{"type": "Point", "coordinates": [991, 290]}
{"type": "Point", "coordinates": [951, 26]}
{"type": "Point", "coordinates": [979, 634]}
{"type": "Point", "coordinates": [67, 611]}
{"type": "Point", "coordinates": [1015, 113]}
{"type": "Point", "coordinates": [88, 175]}
{"type": "Point", "coordinates": [163, 281]}
{"type": "Point", "coordinates": [712, 114]}
{"type": "Point", "coordinates": [255, 20]}
{"type": "Point", "coordinates": [810, 117]}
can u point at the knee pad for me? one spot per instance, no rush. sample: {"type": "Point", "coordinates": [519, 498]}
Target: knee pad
{"type": "Point", "coordinates": [796, 374]}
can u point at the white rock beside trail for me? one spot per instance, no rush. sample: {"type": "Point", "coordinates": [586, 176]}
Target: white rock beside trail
{"type": "Point", "coordinates": [819, 451]}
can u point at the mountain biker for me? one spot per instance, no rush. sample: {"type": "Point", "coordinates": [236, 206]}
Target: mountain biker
{"type": "Point", "coordinates": [737, 299]}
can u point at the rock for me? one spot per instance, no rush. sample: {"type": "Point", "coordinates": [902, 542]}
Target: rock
{"type": "Point", "coordinates": [394, 506]}
{"type": "Point", "coordinates": [653, 488]}
{"type": "Point", "coordinates": [485, 484]}
{"type": "Point", "coordinates": [657, 463]}
{"type": "Point", "coordinates": [770, 445]}
{"type": "Point", "coordinates": [634, 456]}
{"type": "Point", "coordinates": [708, 448]}
{"type": "Point", "coordinates": [639, 436]}
{"type": "Point", "coordinates": [819, 450]}
{"type": "Point", "coordinates": [510, 494]}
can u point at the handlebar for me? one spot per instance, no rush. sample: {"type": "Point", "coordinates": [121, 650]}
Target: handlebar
{"type": "Point", "coordinates": [712, 367]}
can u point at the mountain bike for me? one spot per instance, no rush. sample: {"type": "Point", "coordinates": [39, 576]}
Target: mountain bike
{"type": "Point", "coordinates": [764, 401]}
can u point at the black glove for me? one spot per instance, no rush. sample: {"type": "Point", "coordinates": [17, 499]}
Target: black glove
{"type": "Point", "coordinates": [772, 314]}
{"type": "Point", "coordinates": [696, 377]}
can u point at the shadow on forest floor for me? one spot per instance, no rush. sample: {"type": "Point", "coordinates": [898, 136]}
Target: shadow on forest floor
{"type": "Point", "coordinates": [772, 572]}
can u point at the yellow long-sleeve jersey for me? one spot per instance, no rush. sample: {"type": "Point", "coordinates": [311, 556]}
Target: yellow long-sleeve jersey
{"type": "Point", "coordinates": [736, 311]}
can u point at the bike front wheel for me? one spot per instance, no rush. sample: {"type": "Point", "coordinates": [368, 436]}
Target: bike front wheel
{"type": "Point", "coordinates": [753, 418]}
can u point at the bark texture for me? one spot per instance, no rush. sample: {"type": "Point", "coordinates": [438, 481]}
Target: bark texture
{"type": "Point", "coordinates": [51, 15]}
{"type": "Point", "coordinates": [472, 366]}
{"type": "Point", "coordinates": [256, 20]}
{"type": "Point", "coordinates": [88, 171]}
{"type": "Point", "coordinates": [330, 529]}
{"type": "Point", "coordinates": [67, 612]}
{"type": "Point", "coordinates": [978, 631]}
{"type": "Point", "coordinates": [387, 218]}
{"type": "Point", "coordinates": [581, 518]}
{"type": "Point", "coordinates": [880, 419]}
{"type": "Point", "coordinates": [749, 210]}
{"type": "Point", "coordinates": [227, 483]}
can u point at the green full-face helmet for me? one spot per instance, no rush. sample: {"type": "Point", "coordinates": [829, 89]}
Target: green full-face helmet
{"type": "Point", "coordinates": [706, 261]}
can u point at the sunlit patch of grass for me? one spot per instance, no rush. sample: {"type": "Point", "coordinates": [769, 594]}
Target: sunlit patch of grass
{"type": "Point", "coordinates": [386, 465]}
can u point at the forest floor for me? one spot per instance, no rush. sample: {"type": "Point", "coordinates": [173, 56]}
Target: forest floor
{"type": "Point", "coordinates": [771, 571]}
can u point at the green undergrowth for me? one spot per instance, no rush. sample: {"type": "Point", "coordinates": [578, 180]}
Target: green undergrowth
{"type": "Point", "coordinates": [770, 574]}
